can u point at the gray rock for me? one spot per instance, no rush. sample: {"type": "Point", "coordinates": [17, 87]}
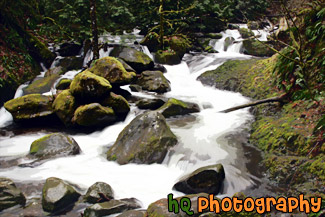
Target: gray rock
{"type": "Point", "coordinates": [154, 81]}
{"type": "Point", "coordinates": [133, 213]}
{"type": "Point", "coordinates": [10, 195]}
{"type": "Point", "coordinates": [99, 192]}
{"type": "Point", "coordinates": [174, 107]}
{"type": "Point", "coordinates": [151, 104]}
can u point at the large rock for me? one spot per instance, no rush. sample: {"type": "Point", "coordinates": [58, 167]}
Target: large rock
{"type": "Point", "coordinates": [69, 49]}
{"type": "Point", "coordinates": [256, 48]}
{"type": "Point", "coordinates": [99, 192]}
{"type": "Point", "coordinates": [70, 63]}
{"type": "Point", "coordinates": [139, 61]}
{"type": "Point", "coordinates": [64, 106]}
{"type": "Point", "coordinates": [154, 81]}
{"type": "Point", "coordinates": [113, 70]}
{"type": "Point", "coordinates": [118, 103]}
{"type": "Point", "coordinates": [151, 40]}
{"type": "Point", "coordinates": [29, 107]}
{"type": "Point", "coordinates": [144, 141]}
{"type": "Point", "coordinates": [89, 87]}
{"type": "Point", "coordinates": [58, 195]}
{"type": "Point", "coordinates": [245, 33]}
{"type": "Point", "coordinates": [111, 207]}
{"type": "Point", "coordinates": [174, 107]}
{"type": "Point", "coordinates": [10, 195]}
{"type": "Point", "coordinates": [94, 115]}
{"type": "Point", "coordinates": [133, 213]}
{"type": "Point", "coordinates": [53, 146]}
{"type": "Point", "coordinates": [160, 207]}
{"type": "Point", "coordinates": [63, 84]}
{"type": "Point", "coordinates": [150, 103]}
{"type": "Point", "coordinates": [169, 57]}
{"type": "Point", "coordinates": [206, 179]}
{"type": "Point", "coordinates": [41, 85]}
{"type": "Point", "coordinates": [179, 45]}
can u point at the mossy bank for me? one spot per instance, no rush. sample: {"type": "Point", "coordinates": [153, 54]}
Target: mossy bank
{"type": "Point", "coordinates": [290, 135]}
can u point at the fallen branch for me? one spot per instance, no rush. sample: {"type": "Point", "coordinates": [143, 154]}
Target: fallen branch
{"type": "Point", "coordinates": [258, 102]}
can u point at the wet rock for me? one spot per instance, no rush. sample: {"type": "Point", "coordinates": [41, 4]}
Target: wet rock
{"type": "Point", "coordinates": [99, 192]}
{"type": "Point", "coordinates": [69, 49]}
{"type": "Point", "coordinates": [168, 57]}
{"type": "Point", "coordinates": [228, 42]}
{"type": "Point", "coordinates": [53, 146]}
{"type": "Point", "coordinates": [64, 106]}
{"type": "Point", "coordinates": [136, 59]}
{"type": "Point", "coordinates": [113, 70]}
{"type": "Point", "coordinates": [135, 88]}
{"type": "Point", "coordinates": [88, 87]}
{"type": "Point", "coordinates": [154, 81]}
{"type": "Point", "coordinates": [118, 103]}
{"type": "Point", "coordinates": [175, 107]}
{"type": "Point", "coordinates": [245, 33]}
{"type": "Point", "coordinates": [70, 63]}
{"type": "Point", "coordinates": [63, 84]}
{"type": "Point", "coordinates": [203, 42]}
{"type": "Point", "coordinates": [58, 195]}
{"type": "Point", "coordinates": [159, 67]}
{"type": "Point", "coordinates": [127, 67]}
{"type": "Point", "coordinates": [144, 141]}
{"type": "Point", "coordinates": [206, 179]}
{"type": "Point", "coordinates": [41, 85]}
{"type": "Point", "coordinates": [54, 71]}
{"type": "Point", "coordinates": [30, 107]}
{"type": "Point", "coordinates": [151, 104]}
{"type": "Point", "coordinates": [214, 35]}
{"type": "Point", "coordinates": [151, 41]}
{"type": "Point", "coordinates": [178, 44]}
{"type": "Point", "coordinates": [94, 115]}
{"type": "Point", "coordinates": [255, 48]}
{"type": "Point", "coordinates": [10, 195]}
{"type": "Point", "coordinates": [110, 207]}
{"type": "Point", "coordinates": [133, 213]}
{"type": "Point", "coordinates": [160, 207]}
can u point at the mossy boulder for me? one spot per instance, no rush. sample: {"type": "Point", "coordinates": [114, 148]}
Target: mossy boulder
{"type": "Point", "coordinates": [118, 103]}
{"type": "Point", "coordinates": [256, 48]}
{"type": "Point", "coordinates": [153, 81]}
{"type": "Point", "coordinates": [151, 40]}
{"type": "Point", "coordinates": [245, 33]}
{"type": "Point", "coordinates": [99, 192]}
{"type": "Point", "coordinates": [127, 67]}
{"type": "Point", "coordinates": [54, 71]}
{"type": "Point", "coordinates": [174, 107]}
{"type": "Point", "coordinates": [160, 207]}
{"type": "Point", "coordinates": [179, 45]}
{"type": "Point", "coordinates": [145, 140]}
{"type": "Point", "coordinates": [63, 84]}
{"type": "Point", "coordinates": [94, 115]}
{"type": "Point", "coordinates": [88, 87]}
{"type": "Point", "coordinates": [53, 146]}
{"type": "Point", "coordinates": [58, 195]}
{"type": "Point", "coordinates": [70, 63]}
{"type": "Point", "coordinates": [206, 179]}
{"type": "Point", "coordinates": [32, 106]}
{"type": "Point", "coordinates": [136, 59]}
{"type": "Point", "coordinates": [150, 103]}
{"type": "Point", "coordinates": [64, 106]}
{"type": "Point", "coordinates": [41, 85]}
{"type": "Point", "coordinates": [10, 195]}
{"type": "Point", "coordinates": [210, 49]}
{"type": "Point", "coordinates": [110, 207]}
{"type": "Point", "coordinates": [113, 70]}
{"type": "Point", "coordinates": [169, 57]}
{"type": "Point", "coordinates": [214, 35]}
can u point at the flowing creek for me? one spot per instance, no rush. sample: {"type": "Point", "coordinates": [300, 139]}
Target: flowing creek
{"type": "Point", "coordinates": [203, 139]}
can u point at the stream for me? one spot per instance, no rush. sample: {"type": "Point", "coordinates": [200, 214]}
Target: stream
{"type": "Point", "coordinates": [204, 138]}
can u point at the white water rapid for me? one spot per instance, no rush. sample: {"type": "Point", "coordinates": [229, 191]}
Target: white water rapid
{"type": "Point", "coordinates": [202, 140]}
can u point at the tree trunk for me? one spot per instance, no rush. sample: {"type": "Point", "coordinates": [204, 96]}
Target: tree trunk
{"type": "Point", "coordinates": [161, 32]}
{"type": "Point", "coordinates": [93, 20]}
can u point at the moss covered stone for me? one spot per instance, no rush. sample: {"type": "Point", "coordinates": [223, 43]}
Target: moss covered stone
{"type": "Point", "coordinates": [179, 45]}
{"type": "Point", "coordinates": [136, 59]}
{"type": "Point", "coordinates": [153, 81]}
{"type": "Point", "coordinates": [94, 115]}
{"type": "Point", "coordinates": [89, 87]}
{"type": "Point", "coordinates": [256, 48]}
{"type": "Point", "coordinates": [10, 195]}
{"type": "Point", "coordinates": [63, 84]}
{"type": "Point", "coordinates": [64, 106]}
{"type": "Point", "coordinates": [174, 107]}
{"type": "Point", "coordinates": [245, 33]}
{"type": "Point", "coordinates": [58, 195]}
{"type": "Point", "coordinates": [41, 85]}
{"type": "Point", "coordinates": [113, 70]}
{"type": "Point", "coordinates": [169, 57]}
{"type": "Point", "coordinates": [150, 103]}
{"type": "Point", "coordinates": [118, 103]}
{"type": "Point", "coordinates": [151, 40]}
{"type": "Point", "coordinates": [144, 141]}
{"type": "Point", "coordinates": [94, 192]}
{"type": "Point", "coordinates": [29, 107]}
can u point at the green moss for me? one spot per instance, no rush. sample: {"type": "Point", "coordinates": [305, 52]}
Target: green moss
{"type": "Point", "coordinates": [169, 57]}
{"type": "Point", "coordinates": [256, 48]}
{"type": "Point", "coordinates": [63, 84]}
{"type": "Point", "coordinates": [64, 106]}
{"type": "Point", "coordinates": [245, 33]}
{"type": "Point", "coordinates": [119, 104]}
{"type": "Point", "coordinates": [42, 85]}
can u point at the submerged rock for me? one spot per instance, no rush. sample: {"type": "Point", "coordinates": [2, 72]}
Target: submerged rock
{"type": "Point", "coordinates": [206, 179]}
{"type": "Point", "coordinates": [174, 107]}
{"type": "Point", "coordinates": [99, 192]}
{"type": "Point", "coordinates": [144, 141]}
{"type": "Point", "coordinates": [256, 48]}
{"type": "Point", "coordinates": [10, 195]}
{"type": "Point", "coordinates": [89, 87]}
{"type": "Point", "coordinates": [41, 85]}
{"type": "Point", "coordinates": [150, 103]}
{"type": "Point", "coordinates": [113, 70]}
{"type": "Point", "coordinates": [58, 195]}
{"type": "Point", "coordinates": [118, 103]}
{"type": "Point", "coordinates": [64, 106]}
{"type": "Point", "coordinates": [53, 146]}
{"type": "Point", "coordinates": [110, 207]}
{"type": "Point", "coordinates": [154, 81]}
{"type": "Point", "coordinates": [94, 115]}
{"type": "Point", "coordinates": [30, 107]}
{"type": "Point", "coordinates": [139, 61]}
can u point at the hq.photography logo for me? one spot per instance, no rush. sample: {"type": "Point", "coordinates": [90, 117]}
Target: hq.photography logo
{"type": "Point", "coordinates": [248, 204]}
